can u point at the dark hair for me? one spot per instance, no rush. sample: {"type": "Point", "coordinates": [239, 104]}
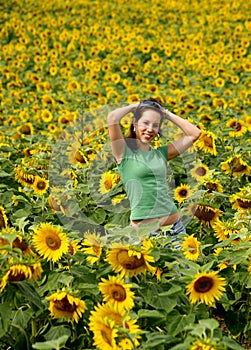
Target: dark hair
{"type": "Point", "coordinates": [150, 103]}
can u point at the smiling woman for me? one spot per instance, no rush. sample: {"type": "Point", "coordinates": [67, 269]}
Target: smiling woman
{"type": "Point", "coordinates": [143, 169]}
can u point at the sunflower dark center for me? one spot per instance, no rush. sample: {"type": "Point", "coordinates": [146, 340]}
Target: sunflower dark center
{"type": "Point", "coordinates": [203, 284]}
{"type": "Point", "coordinates": [2, 221]}
{"type": "Point", "coordinates": [118, 292]}
{"type": "Point", "coordinates": [211, 186]}
{"type": "Point", "coordinates": [41, 185]}
{"type": "Point", "coordinates": [79, 158]}
{"type": "Point", "coordinates": [25, 129]}
{"type": "Point", "coordinates": [53, 242]}
{"type": "Point", "coordinates": [64, 305]}
{"type": "Point", "coordinates": [208, 142]}
{"type": "Point", "coordinates": [204, 213]}
{"type": "Point", "coordinates": [183, 193]}
{"type": "Point", "coordinates": [19, 244]}
{"type": "Point", "coordinates": [16, 277]}
{"type": "Point", "coordinates": [201, 171]}
{"type": "Point", "coordinates": [106, 335]}
{"type": "Point", "coordinates": [235, 125]}
{"type": "Point", "coordinates": [130, 262]}
{"type": "Point", "coordinates": [237, 166]}
{"type": "Point", "coordinates": [244, 204]}
{"type": "Point", "coordinates": [108, 184]}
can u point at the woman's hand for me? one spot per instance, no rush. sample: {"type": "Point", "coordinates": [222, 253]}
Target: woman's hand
{"type": "Point", "coordinates": [166, 113]}
{"type": "Point", "coordinates": [134, 106]}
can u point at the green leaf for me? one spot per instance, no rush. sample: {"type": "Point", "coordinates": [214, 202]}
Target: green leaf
{"type": "Point", "coordinates": [22, 317]}
{"type": "Point", "coordinates": [66, 279]}
{"type": "Point", "coordinates": [158, 299]}
{"type": "Point", "coordinates": [89, 288]}
{"type": "Point", "coordinates": [235, 321]}
{"type": "Point", "coordinates": [5, 314]}
{"type": "Point", "coordinates": [177, 322]}
{"type": "Point", "coordinates": [55, 344]}
{"type": "Point", "coordinates": [146, 313]}
{"type": "Point", "coordinates": [155, 340]}
{"type": "Point", "coordinates": [98, 216]}
{"type": "Point", "coordinates": [231, 344]}
{"type": "Point", "coordinates": [57, 332]}
{"type": "Point", "coordinates": [30, 294]}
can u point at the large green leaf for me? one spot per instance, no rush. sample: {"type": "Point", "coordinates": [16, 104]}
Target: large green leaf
{"type": "Point", "coordinates": [55, 344]}
{"type": "Point", "coordinates": [5, 314]}
{"type": "Point", "coordinates": [30, 294]}
{"type": "Point", "coordinates": [57, 332]}
{"type": "Point", "coordinates": [235, 321]}
{"type": "Point", "coordinates": [157, 341]}
{"type": "Point", "coordinates": [176, 323]}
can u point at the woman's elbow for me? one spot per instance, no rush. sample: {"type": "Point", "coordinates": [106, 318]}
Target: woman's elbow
{"type": "Point", "coordinates": [196, 134]}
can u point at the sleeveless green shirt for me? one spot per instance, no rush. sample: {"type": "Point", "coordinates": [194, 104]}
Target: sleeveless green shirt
{"type": "Point", "coordinates": [144, 175]}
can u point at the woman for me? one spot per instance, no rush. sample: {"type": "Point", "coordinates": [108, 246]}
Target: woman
{"type": "Point", "coordinates": [143, 169]}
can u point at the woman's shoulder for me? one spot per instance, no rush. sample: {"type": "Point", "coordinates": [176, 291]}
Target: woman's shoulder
{"type": "Point", "coordinates": [163, 150]}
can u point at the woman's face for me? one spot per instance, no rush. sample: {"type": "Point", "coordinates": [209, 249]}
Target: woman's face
{"type": "Point", "coordinates": [147, 127]}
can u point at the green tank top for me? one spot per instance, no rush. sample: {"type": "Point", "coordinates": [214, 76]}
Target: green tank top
{"type": "Point", "coordinates": [144, 175]}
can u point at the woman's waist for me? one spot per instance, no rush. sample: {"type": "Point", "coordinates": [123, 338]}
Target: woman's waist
{"type": "Point", "coordinates": [163, 220]}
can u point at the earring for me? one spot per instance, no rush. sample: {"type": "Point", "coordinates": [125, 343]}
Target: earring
{"type": "Point", "coordinates": [156, 137]}
{"type": "Point", "coordinates": [134, 129]}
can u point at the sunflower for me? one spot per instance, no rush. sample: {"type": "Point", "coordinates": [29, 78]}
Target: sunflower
{"type": "Point", "coordinates": [16, 273]}
{"type": "Point", "coordinates": [199, 172]}
{"type": "Point", "coordinates": [73, 247]}
{"type": "Point", "coordinates": [94, 247]}
{"type": "Point", "coordinates": [108, 181]}
{"type": "Point", "coordinates": [237, 126]}
{"type": "Point", "coordinates": [191, 248]}
{"type": "Point", "coordinates": [40, 185]}
{"type": "Point", "coordinates": [212, 185]}
{"type": "Point", "coordinates": [112, 327]}
{"type": "Point", "coordinates": [206, 288]}
{"type": "Point", "coordinates": [77, 155]}
{"type": "Point", "coordinates": [64, 304]}
{"type": "Point", "coordinates": [105, 333]}
{"type": "Point", "coordinates": [182, 192]}
{"type": "Point", "coordinates": [50, 241]}
{"type": "Point", "coordinates": [126, 123]}
{"type": "Point", "coordinates": [206, 214]}
{"type": "Point", "coordinates": [36, 270]}
{"type": "Point", "coordinates": [58, 200]}
{"type": "Point", "coordinates": [23, 177]}
{"type": "Point", "coordinates": [21, 244]}
{"type": "Point", "coordinates": [26, 129]}
{"type": "Point", "coordinates": [224, 229]}
{"type": "Point", "coordinates": [118, 198]}
{"type": "Point", "coordinates": [3, 242]}
{"type": "Point", "coordinates": [206, 142]}
{"type": "Point", "coordinates": [242, 199]}
{"type": "Point", "coordinates": [46, 115]}
{"type": "Point", "coordinates": [203, 345]}
{"type": "Point", "coordinates": [247, 121]}
{"type": "Point", "coordinates": [129, 261]}
{"type": "Point", "coordinates": [3, 218]}
{"type": "Point", "coordinates": [236, 166]}
{"type": "Point", "coordinates": [116, 292]}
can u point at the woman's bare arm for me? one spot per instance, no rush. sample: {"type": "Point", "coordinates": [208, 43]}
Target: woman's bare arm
{"type": "Point", "coordinates": [115, 132]}
{"type": "Point", "coordinates": [191, 132]}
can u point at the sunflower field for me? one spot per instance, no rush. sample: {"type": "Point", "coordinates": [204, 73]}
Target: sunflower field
{"type": "Point", "coordinates": [74, 274]}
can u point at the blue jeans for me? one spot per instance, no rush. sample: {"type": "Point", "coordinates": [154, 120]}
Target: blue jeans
{"type": "Point", "coordinates": [177, 228]}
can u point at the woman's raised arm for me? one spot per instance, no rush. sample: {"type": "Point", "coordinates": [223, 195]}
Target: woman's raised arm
{"type": "Point", "coordinates": [115, 132]}
{"type": "Point", "coordinates": [191, 132]}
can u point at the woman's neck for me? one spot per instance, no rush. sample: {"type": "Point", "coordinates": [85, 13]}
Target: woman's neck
{"type": "Point", "coordinates": [143, 146]}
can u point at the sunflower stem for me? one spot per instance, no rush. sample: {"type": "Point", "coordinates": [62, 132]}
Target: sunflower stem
{"type": "Point", "coordinates": [33, 330]}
